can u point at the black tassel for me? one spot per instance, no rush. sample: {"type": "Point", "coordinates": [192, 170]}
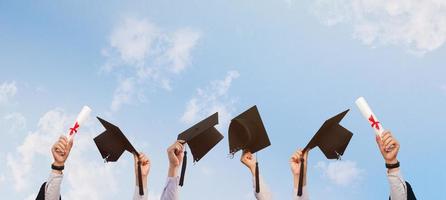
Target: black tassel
{"type": "Point", "coordinates": [301, 178]}
{"type": "Point", "coordinates": [183, 169]}
{"type": "Point", "coordinates": [257, 178]}
{"type": "Point", "coordinates": [141, 189]}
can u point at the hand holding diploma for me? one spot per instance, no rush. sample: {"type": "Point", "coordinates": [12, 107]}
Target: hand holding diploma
{"type": "Point", "coordinates": [83, 115]}
{"type": "Point", "coordinates": [60, 150]}
{"type": "Point", "coordinates": [389, 147]}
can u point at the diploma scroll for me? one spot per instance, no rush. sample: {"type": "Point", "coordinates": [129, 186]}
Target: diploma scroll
{"type": "Point", "coordinates": [83, 115]}
{"type": "Point", "coordinates": [369, 115]}
{"type": "Point", "coordinates": [371, 118]}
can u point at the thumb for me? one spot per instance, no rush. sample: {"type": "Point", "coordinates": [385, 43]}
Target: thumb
{"type": "Point", "coordinates": [71, 142]}
{"type": "Point", "coordinates": [379, 142]}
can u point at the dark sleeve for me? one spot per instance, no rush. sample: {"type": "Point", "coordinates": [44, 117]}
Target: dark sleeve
{"type": "Point", "coordinates": [410, 194]}
{"type": "Point", "coordinates": [41, 195]}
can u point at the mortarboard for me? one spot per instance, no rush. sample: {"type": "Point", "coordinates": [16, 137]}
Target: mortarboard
{"type": "Point", "coordinates": [332, 139]}
{"type": "Point", "coordinates": [201, 138]}
{"type": "Point", "coordinates": [112, 143]}
{"type": "Point", "coordinates": [247, 132]}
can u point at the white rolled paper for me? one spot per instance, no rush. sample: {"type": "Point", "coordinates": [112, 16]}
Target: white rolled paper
{"type": "Point", "coordinates": [83, 115]}
{"type": "Point", "coordinates": [369, 115]}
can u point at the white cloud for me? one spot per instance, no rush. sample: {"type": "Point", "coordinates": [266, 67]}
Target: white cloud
{"type": "Point", "coordinates": [15, 121]}
{"type": "Point", "coordinates": [31, 196]}
{"type": "Point", "coordinates": [147, 55]}
{"type": "Point", "coordinates": [132, 39]}
{"type": "Point", "coordinates": [213, 98]}
{"type": "Point", "coordinates": [80, 169]}
{"type": "Point", "coordinates": [2, 179]}
{"type": "Point", "coordinates": [123, 93]}
{"type": "Point", "coordinates": [183, 41]}
{"type": "Point", "coordinates": [35, 143]}
{"type": "Point", "coordinates": [342, 173]}
{"type": "Point", "coordinates": [419, 26]}
{"type": "Point", "coordinates": [7, 91]}
{"type": "Point", "coordinates": [101, 180]}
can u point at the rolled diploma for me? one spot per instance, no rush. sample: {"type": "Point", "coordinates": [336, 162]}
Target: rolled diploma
{"type": "Point", "coordinates": [83, 115]}
{"type": "Point", "coordinates": [369, 115]}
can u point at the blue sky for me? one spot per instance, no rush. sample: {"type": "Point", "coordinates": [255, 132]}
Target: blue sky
{"type": "Point", "coordinates": [155, 68]}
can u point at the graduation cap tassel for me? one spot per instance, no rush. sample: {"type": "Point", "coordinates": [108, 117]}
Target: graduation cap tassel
{"type": "Point", "coordinates": [301, 178]}
{"type": "Point", "coordinates": [257, 178]}
{"type": "Point", "coordinates": [141, 189]}
{"type": "Point", "coordinates": [183, 169]}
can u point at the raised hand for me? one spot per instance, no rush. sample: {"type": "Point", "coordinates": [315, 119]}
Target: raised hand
{"type": "Point", "coordinates": [145, 164]}
{"type": "Point", "coordinates": [145, 167]}
{"type": "Point", "coordinates": [249, 161]}
{"type": "Point", "coordinates": [175, 153]}
{"type": "Point", "coordinates": [61, 150]}
{"type": "Point", "coordinates": [295, 162]}
{"type": "Point", "coordinates": [389, 147]}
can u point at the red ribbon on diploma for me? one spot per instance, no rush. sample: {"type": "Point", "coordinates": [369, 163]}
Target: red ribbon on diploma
{"type": "Point", "coordinates": [74, 129]}
{"type": "Point", "coordinates": [375, 124]}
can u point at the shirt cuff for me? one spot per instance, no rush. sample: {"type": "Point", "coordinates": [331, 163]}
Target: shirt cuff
{"type": "Point", "coordinates": [52, 186]}
{"type": "Point", "coordinates": [55, 175]}
{"type": "Point", "coordinates": [394, 173]}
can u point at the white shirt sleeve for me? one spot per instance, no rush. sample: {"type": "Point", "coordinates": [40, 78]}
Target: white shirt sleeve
{"type": "Point", "coordinates": [52, 187]}
{"type": "Point", "coordinates": [170, 191]}
{"type": "Point", "coordinates": [398, 188]}
{"type": "Point", "coordinates": [304, 196]}
{"type": "Point", "coordinates": [265, 193]}
{"type": "Point", "coordinates": [136, 195]}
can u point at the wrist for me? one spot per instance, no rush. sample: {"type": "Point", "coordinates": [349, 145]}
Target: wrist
{"type": "Point", "coordinates": [252, 170]}
{"type": "Point", "coordinates": [296, 175]}
{"type": "Point", "coordinates": [144, 181]}
{"type": "Point", "coordinates": [173, 171]}
{"type": "Point", "coordinates": [393, 170]}
{"type": "Point", "coordinates": [58, 163]}
{"type": "Point", "coordinates": [391, 161]}
{"type": "Point", "coordinates": [296, 180]}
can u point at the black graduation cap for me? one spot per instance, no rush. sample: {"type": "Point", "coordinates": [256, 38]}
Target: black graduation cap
{"type": "Point", "coordinates": [247, 132]}
{"type": "Point", "coordinates": [112, 143]}
{"type": "Point", "coordinates": [201, 138]}
{"type": "Point", "coordinates": [332, 139]}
